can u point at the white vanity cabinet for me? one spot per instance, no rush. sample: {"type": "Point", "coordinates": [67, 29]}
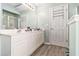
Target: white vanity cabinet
{"type": "Point", "coordinates": [74, 36]}
{"type": "Point", "coordinates": [24, 43]}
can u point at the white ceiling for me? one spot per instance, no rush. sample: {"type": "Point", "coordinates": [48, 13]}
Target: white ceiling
{"type": "Point", "coordinates": [20, 7]}
{"type": "Point", "coordinates": [38, 4]}
{"type": "Point", "coordinates": [35, 4]}
{"type": "Point", "coordinates": [14, 4]}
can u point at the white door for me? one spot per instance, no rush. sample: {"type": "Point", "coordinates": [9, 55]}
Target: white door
{"type": "Point", "coordinates": [58, 30]}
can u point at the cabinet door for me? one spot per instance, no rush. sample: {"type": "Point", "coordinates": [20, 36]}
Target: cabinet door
{"type": "Point", "coordinates": [72, 39]}
{"type": "Point", "coordinates": [18, 45]}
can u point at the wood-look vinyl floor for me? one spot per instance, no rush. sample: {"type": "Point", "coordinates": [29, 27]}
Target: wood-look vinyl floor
{"type": "Point", "coordinates": [49, 50]}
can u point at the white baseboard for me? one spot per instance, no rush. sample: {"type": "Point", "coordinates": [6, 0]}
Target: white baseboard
{"type": "Point", "coordinates": [47, 43]}
{"type": "Point", "coordinates": [53, 44]}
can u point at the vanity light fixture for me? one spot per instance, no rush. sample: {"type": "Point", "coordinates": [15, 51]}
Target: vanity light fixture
{"type": "Point", "coordinates": [28, 5]}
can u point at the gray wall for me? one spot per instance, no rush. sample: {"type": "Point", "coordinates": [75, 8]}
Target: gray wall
{"type": "Point", "coordinates": [72, 9]}
{"type": "Point", "coordinates": [5, 42]}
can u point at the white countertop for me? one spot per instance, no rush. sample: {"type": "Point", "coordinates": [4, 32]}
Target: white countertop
{"type": "Point", "coordinates": [15, 32]}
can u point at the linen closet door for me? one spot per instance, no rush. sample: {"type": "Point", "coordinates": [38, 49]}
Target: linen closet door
{"type": "Point", "coordinates": [58, 30]}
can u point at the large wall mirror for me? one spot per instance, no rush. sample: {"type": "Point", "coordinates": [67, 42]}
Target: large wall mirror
{"type": "Point", "coordinates": [10, 20]}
